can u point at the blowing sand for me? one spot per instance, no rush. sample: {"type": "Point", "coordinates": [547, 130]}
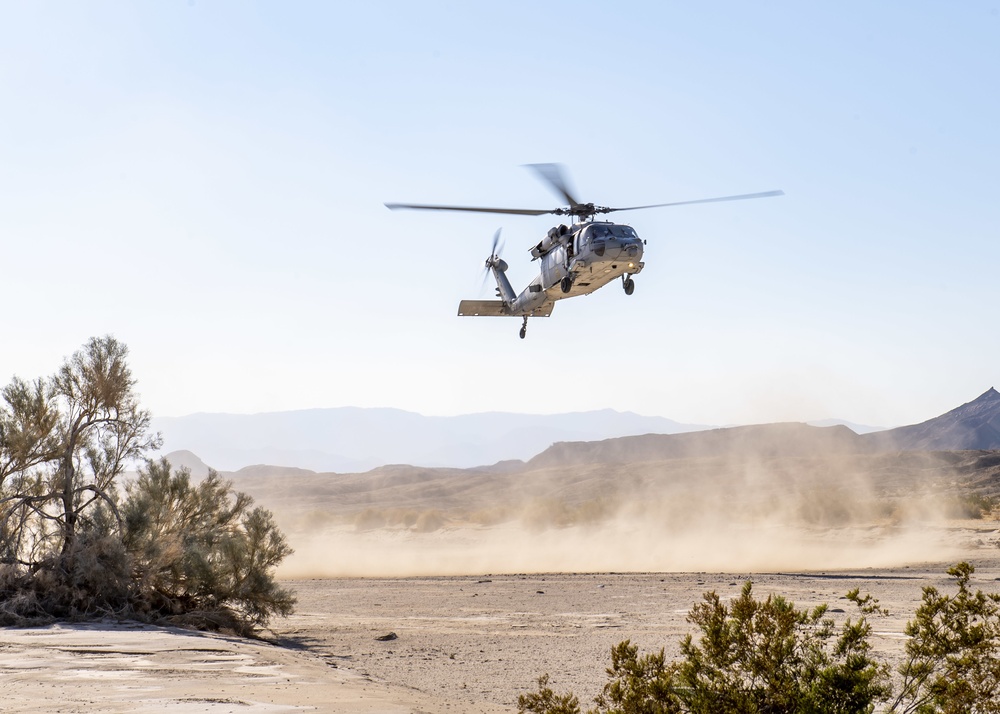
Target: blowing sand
{"type": "Point", "coordinates": [464, 643]}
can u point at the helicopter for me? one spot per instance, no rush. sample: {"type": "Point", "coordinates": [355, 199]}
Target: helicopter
{"type": "Point", "coordinates": [574, 260]}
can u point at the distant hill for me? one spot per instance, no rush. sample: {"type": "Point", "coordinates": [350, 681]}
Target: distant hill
{"type": "Point", "coordinates": [806, 474]}
{"type": "Point", "coordinates": [355, 440]}
{"type": "Point", "coordinates": [351, 440]}
{"type": "Point", "coordinates": [975, 425]}
{"type": "Point", "coordinates": [186, 460]}
{"type": "Point", "coordinates": [856, 428]}
{"type": "Point", "coordinates": [764, 441]}
{"type": "Point", "coordinates": [752, 475]}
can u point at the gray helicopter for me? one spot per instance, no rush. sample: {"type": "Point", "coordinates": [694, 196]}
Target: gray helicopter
{"type": "Point", "coordinates": [574, 260]}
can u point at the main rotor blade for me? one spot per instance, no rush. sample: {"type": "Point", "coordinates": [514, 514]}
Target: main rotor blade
{"type": "Point", "coordinates": [474, 209]}
{"type": "Point", "coordinates": [765, 194]}
{"type": "Point", "coordinates": [552, 173]}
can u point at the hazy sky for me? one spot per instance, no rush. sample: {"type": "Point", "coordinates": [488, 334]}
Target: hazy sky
{"type": "Point", "coordinates": [204, 180]}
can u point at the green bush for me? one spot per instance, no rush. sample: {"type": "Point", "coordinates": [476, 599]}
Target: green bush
{"type": "Point", "coordinates": [953, 652]}
{"type": "Point", "coordinates": [757, 657]}
{"type": "Point", "coordinates": [201, 554]}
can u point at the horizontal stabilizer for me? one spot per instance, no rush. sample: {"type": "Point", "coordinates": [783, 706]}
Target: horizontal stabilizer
{"type": "Point", "coordinates": [496, 308]}
{"type": "Point", "coordinates": [483, 308]}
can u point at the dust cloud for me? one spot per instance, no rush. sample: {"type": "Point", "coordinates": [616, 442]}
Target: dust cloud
{"type": "Point", "coordinates": [612, 548]}
{"type": "Point", "coordinates": [684, 515]}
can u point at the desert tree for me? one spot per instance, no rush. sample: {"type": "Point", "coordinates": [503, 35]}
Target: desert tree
{"type": "Point", "coordinates": [201, 553]}
{"type": "Point", "coordinates": [74, 543]}
{"type": "Point", "coordinates": [64, 441]}
{"type": "Point", "coordinates": [28, 422]}
{"type": "Point", "coordinates": [101, 429]}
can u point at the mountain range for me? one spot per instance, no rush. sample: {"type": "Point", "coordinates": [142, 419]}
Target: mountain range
{"type": "Point", "coordinates": [354, 440]}
{"type": "Point", "coordinates": [797, 473]}
{"type": "Point", "coordinates": [975, 425]}
{"type": "Point", "coordinates": [351, 439]}
{"type": "Point", "coordinates": [972, 426]}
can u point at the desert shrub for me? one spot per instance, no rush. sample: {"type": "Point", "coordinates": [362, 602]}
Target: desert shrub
{"type": "Point", "coordinates": [90, 579]}
{"type": "Point", "coordinates": [594, 512]}
{"type": "Point", "coordinates": [953, 652]}
{"type": "Point", "coordinates": [429, 521]}
{"type": "Point", "coordinates": [638, 685]}
{"type": "Point", "coordinates": [400, 517]}
{"type": "Point", "coordinates": [545, 701]}
{"type": "Point", "coordinates": [769, 656]}
{"type": "Point", "coordinates": [201, 554]}
{"type": "Point", "coordinates": [970, 505]}
{"type": "Point", "coordinates": [317, 520]}
{"type": "Point", "coordinates": [369, 519]}
{"type": "Point", "coordinates": [752, 656]}
{"type": "Point", "coordinates": [757, 656]}
{"type": "Point", "coordinates": [832, 507]}
{"type": "Point", "coordinates": [490, 516]}
{"type": "Point", "coordinates": [542, 514]}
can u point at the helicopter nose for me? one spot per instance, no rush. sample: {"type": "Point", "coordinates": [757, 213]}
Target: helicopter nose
{"type": "Point", "coordinates": [632, 250]}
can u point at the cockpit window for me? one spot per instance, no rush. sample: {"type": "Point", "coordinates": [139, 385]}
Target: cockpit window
{"type": "Point", "coordinates": [624, 232]}
{"type": "Point", "coordinates": [600, 232]}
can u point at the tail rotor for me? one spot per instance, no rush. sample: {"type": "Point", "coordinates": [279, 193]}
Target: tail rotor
{"type": "Point", "coordinates": [494, 260]}
{"type": "Point", "coordinates": [497, 248]}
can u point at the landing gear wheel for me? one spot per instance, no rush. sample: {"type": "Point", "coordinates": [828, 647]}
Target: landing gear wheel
{"type": "Point", "coordinates": [629, 286]}
{"type": "Point", "coordinates": [523, 332]}
{"type": "Point", "coordinates": [524, 327]}
{"type": "Point", "coordinates": [566, 284]}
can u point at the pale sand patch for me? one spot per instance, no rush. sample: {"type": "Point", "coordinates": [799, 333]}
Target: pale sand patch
{"type": "Point", "coordinates": [111, 668]}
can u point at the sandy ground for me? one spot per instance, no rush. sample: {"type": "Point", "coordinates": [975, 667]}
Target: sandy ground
{"type": "Point", "coordinates": [478, 642]}
{"type": "Point", "coordinates": [98, 668]}
{"type": "Point", "coordinates": [464, 643]}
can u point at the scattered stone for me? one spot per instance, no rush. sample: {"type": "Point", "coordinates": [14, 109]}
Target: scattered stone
{"type": "Point", "coordinates": [387, 638]}
{"type": "Point", "coordinates": [539, 592]}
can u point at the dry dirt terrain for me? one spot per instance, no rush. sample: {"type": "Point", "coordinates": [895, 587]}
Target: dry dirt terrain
{"type": "Point", "coordinates": [479, 641]}
{"type": "Point", "coordinates": [488, 578]}
{"type": "Point", "coordinates": [464, 643]}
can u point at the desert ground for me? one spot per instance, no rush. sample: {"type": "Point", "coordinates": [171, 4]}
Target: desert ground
{"type": "Point", "coordinates": [446, 590]}
{"type": "Point", "coordinates": [463, 643]}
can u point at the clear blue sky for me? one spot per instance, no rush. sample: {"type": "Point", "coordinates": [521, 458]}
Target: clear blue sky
{"type": "Point", "coordinates": [205, 181]}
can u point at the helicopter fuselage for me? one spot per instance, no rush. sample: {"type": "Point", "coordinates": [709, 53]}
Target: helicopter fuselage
{"type": "Point", "coordinates": [582, 258]}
